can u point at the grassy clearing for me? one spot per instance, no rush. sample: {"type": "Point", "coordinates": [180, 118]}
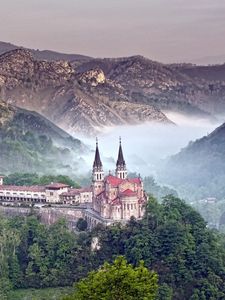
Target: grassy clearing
{"type": "Point", "coordinates": [39, 294]}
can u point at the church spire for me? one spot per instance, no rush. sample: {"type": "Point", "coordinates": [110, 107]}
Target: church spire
{"type": "Point", "coordinates": [120, 160]}
{"type": "Point", "coordinates": [97, 172]}
{"type": "Point", "coordinates": [97, 162]}
{"type": "Point", "coordinates": [121, 170]}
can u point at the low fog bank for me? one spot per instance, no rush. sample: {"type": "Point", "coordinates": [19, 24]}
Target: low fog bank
{"type": "Point", "coordinates": [146, 145]}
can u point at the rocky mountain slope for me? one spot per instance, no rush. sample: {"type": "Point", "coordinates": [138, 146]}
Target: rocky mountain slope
{"type": "Point", "coordinates": [184, 88]}
{"type": "Point", "coordinates": [77, 101]}
{"type": "Point", "coordinates": [85, 94]}
{"type": "Point", "coordinates": [31, 143]}
{"type": "Point", "coordinates": [43, 54]}
{"type": "Point", "coordinates": [198, 171]}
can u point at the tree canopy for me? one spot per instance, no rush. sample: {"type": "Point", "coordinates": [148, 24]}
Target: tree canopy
{"type": "Point", "coordinates": [117, 281]}
{"type": "Point", "coordinates": [35, 179]}
{"type": "Point", "coordinates": [172, 239]}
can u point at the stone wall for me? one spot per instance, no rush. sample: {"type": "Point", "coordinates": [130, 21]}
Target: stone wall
{"type": "Point", "coordinates": [49, 215]}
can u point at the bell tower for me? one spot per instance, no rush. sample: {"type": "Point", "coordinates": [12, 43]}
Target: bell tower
{"type": "Point", "coordinates": [97, 172]}
{"type": "Point", "coordinates": [121, 169]}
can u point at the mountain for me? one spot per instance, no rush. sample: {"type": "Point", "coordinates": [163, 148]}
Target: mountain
{"type": "Point", "coordinates": [210, 60]}
{"type": "Point", "coordinates": [48, 55]}
{"type": "Point", "coordinates": [31, 143]}
{"type": "Point", "coordinates": [185, 88]}
{"type": "Point", "coordinates": [76, 101]}
{"type": "Point", "coordinates": [198, 171]}
{"type": "Point", "coordinates": [87, 95]}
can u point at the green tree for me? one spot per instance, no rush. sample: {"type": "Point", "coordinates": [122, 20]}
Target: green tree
{"type": "Point", "coordinates": [117, 281]}
{"type": "Point", "coordinates": [82, 224]}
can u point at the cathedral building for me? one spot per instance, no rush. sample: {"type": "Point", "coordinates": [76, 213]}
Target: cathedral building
{"type": "Point", "coordinates": [117, 197]}
{"type": "Point", "coordinates": [110, 199]}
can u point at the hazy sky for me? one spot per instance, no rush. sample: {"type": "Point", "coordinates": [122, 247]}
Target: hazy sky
{"type": "Point", "coordinates": [166, 30]}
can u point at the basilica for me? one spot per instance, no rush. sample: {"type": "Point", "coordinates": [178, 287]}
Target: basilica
{"type": "Point", "coordinates": [116, 197]}
{"type": "Point", "coordinates": [109, 199]}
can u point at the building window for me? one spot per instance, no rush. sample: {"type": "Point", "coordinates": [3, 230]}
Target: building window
{"type": "Point", "coordinates": [128, 206]}
{"type": "Point", "coordinates": [51, 193]}
{"type": "Point", "coordinates": [131, 206]}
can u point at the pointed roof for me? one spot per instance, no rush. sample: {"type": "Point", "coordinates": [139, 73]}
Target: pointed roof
{"type": "Point", "coordinates": [97, 162]}
{"type": "Point", "coordinates": [120, 160]}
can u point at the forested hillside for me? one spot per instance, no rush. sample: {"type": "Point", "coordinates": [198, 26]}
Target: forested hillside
{"type": "Point", "coordinates": [172, 239]}
{"type": "Point", "coordinates": [31, 143]}
{"type": "Point", "coordinates": [198, 170]}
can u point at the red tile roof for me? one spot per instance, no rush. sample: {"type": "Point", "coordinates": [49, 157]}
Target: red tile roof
{"type": "Point", "coordinates": [33, 188]}
{"type": "Point", "coordinates": [56, 185]}
{"type": "Point", "coordinates": [115, 181]}
{"type": "Point", "coordinates": [135, 180]}
{"type": "Point", "coordinates": [128, 192]}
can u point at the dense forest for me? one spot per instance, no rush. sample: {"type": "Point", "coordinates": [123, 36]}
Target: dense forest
{"type": "Point", "coordinates": [172, 240]}
{"type": "Point", "coordinates": [204, 163]}
{"type": "Point", "coordinates": [35, 179]}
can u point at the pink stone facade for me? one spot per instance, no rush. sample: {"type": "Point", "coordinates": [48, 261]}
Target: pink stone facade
{"type": "Point", "coordinates": [120, 199]}
{"type": "Point", "coordinates": [117, 198]}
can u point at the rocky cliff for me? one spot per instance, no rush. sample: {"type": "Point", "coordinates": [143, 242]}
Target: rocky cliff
{"type": "Point", "coordinates": [85, 95]}
{"type": "Point", "coordinates": [186, 88]}
{"type": "Point", "coordinates": [77, 101]}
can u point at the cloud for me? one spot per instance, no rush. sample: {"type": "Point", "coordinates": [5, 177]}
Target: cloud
{"type": "Point", "coordinates": [146, 145]}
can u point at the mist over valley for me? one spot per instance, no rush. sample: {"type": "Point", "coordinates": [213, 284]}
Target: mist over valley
{"type": "Point", "coordinates": [146, 145]}
{"type": "Point", "coordinates": [112, 150]}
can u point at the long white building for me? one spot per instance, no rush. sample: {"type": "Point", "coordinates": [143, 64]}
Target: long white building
{"type": "Point", "coordinates": [52, 193]}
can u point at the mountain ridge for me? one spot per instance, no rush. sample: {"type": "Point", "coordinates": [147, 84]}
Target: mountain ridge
{"type": "Point", "coordinates": [87, 95]}
{"type": "Point", "coordinates": [76, 101]}
{"type": "Point", "coordinates": [49, 55]}
{"type": "Point", "coordinates": [198, 170]}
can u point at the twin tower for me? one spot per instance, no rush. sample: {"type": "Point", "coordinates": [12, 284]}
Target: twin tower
{"type": "Point", "coordinates": [98, 173]}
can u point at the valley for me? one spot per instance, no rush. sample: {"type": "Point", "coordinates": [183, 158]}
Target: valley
{"type": "Point", "coordinates": [112, 150]}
